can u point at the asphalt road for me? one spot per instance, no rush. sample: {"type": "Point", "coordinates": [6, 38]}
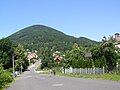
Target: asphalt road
{"type": "Point", "coordinates": [33, 81]}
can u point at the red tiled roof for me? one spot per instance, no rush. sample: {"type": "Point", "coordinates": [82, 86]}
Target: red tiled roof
{"type": "Point", "coordinates": [31, 56]}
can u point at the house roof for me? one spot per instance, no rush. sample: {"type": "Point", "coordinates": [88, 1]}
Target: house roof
{"type": "Point", "coordinates": [32, 55]}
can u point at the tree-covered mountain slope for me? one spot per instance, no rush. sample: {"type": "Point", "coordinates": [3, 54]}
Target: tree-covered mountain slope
{"type": "Point", "coordinates": [37, 36]}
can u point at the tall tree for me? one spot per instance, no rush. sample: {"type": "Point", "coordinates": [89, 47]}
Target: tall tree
{"type": "Point", "coordinates": [5, 53]}
{"type": "Point", "coordinates": [46, 56]}
{"type": "Point", "coordinates": [76, 56]}
{"type": "Point", "coordinates": [105, 54]}
{"type": "Point", "coordinates": [20, 57]}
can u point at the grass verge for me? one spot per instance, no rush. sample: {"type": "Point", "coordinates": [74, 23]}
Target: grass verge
{"type": "Point", "coordinates": [43, 72]}
{"type": "Point", "coordinates": [113, 77]}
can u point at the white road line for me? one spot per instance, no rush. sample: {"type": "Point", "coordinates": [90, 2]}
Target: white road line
{"type": "Point", "coordinates": [57, 85]}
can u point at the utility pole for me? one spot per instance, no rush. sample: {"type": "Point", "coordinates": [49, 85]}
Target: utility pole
{"type": "Point", "coordinates": [21, 69]}
{"type": "Point", "coordinates": [13, 64]}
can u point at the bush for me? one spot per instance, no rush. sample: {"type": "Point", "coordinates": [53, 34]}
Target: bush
{"type": "Point", "coordinates": [1, 68]}
{"type": "Point", "coordinates": [5, 78]}
{"type": "Point", "coordinates": [10, 70]}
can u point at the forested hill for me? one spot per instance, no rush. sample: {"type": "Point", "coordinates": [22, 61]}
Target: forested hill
{"type": "Point", "coordinates": [37, 36]}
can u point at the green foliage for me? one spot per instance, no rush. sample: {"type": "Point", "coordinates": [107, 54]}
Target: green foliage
{"type": "Point", "coordinates": [20, 58]}
{"type": "Point", "coordinates": [47, 58]}
{"type": "Point", "coordinates": [103, 62]}
{"type": "Point", "coordinates": [5, 78]}
{"type": "Point", "coordinates": [97, 63]}
{"type": "Point", "coordinates": [67, 62]}
{"type": "Point", "coordinates": [105, 54]}
{"type": "Point", "coordinates": [7, 49]}
{"type": "Point", "coordinates": [118, 59]}
{"type": "Point", "coordinates": [10, 70]}
{"type": "Point", "coordinates": [5, 53]}
{"type": "Point", "coordinates": [89, 63]}
{"type": "Point", "coordinates": [38, 36]}
{"type": "Point", "coordinates": [109, 51]}
{"type": "Point", "coordinates": [76, 58]}
{"type": "Point", "coordinates": [1, 68]}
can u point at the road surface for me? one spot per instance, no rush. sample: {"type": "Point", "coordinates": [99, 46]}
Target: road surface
{"type": "Point", "coordinates": [33, 81]}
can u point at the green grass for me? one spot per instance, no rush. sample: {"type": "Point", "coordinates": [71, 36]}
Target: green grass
{"type": "Point", "coordinates": [39, 70]}
{"type": "Point", "coordinates": [44, 72]}
{"type": "Point", "coordinates": [113, 77]}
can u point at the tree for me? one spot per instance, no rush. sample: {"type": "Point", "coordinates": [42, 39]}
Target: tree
{"type": "Point", "coordinates": [5, 53]}
{"type": "Point", "coordinates": [105, 54]}
{"type": "Point", "coordinates": [75, 57]}
{"type": "Point", "coordinates": [109, 52]}
{"type": "Point", "coordinates": [1, 68]}
{"type": "Point", "coordinates": [47, 59]}
{"type": "Point", "coordinates": [20, 58]}
{"type": "Point", "coordinates": [67, 60]}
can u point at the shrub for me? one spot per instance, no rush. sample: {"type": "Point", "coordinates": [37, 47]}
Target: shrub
{"type": "Point", "coordinates": [10, 70]}
{"type": "Point", "coordinates": [1, 68]}
{"type": "Point", "coordinates": [5, 78]}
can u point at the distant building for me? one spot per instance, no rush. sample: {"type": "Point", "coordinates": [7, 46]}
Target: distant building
{"type": "Point", "coordinates": [117, 37]}
{"type": "Point", "coordinates": [32, 55]}
{"type": "Point", "coordinates": [57, 56]}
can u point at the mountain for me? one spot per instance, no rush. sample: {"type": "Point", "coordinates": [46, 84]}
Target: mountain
{"type": "Point", "coordinates": [37, 36]}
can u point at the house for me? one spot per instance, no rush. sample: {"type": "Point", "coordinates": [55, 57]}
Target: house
{"type": "Point", "coordinates": [117, 39]}
{"type": "Point", "coordinates": [57, 56]}
{"type": "Point", "coordinates": [31, 56]}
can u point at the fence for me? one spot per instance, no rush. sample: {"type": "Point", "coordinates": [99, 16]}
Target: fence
{"type": "Point", "coordinates": [95, 71]}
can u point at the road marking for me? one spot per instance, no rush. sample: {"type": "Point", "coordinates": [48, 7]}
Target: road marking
{"type": "Point", "coordinates": [57, 85]}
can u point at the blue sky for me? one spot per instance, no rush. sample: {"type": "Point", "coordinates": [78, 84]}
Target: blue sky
{"type": "Point", "coordinates": [80, 18]}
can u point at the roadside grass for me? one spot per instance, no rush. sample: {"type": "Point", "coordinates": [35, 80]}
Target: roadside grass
{"type": "Point", "coordinates": [112, 77]}
{"type": "Point", "coordinates": [39, 70]}
{"type": "Point", "coordinates": [44, 72]}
